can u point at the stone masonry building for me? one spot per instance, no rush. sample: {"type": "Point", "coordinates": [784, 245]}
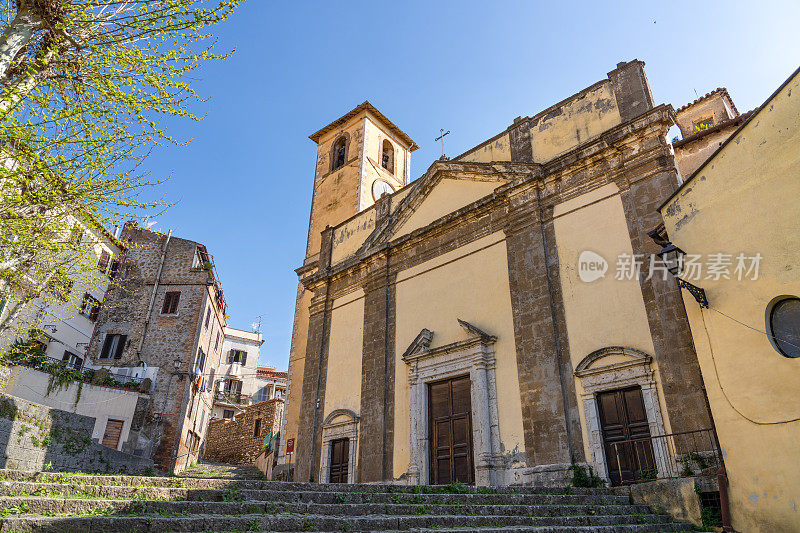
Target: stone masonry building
{"type": "Point", "coordinates": [166, 319]}
{"type": "Point", "coordinates": [481, 323]}
{"type": "Point", "coordinates": [241, 439]}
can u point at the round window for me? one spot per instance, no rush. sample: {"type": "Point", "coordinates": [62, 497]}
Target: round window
{"type": "Point", "coordinates": [784, 326]}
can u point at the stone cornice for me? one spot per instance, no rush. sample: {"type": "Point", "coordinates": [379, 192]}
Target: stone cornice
{"type": "Point", "coordinates": [525, 179]}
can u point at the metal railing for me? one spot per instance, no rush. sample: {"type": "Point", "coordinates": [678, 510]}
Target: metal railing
{"type": "Point", "coordinates": [51, 364]}
{"type": "Point", "coordinates": [685, 454]}
{"type": "Point", "coordinates": [232, 398]}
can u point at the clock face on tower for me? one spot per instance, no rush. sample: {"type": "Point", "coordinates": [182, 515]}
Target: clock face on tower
{"type": "Point", "coordinates": [379, 188]}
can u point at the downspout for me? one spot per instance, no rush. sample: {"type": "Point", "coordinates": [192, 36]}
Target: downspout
{"type": "Point", "coordinates": [153, 295]}
{"type": "Point", "coordinates": [564, 399]}
{"type": "Point", "coordinates": [319, 366]}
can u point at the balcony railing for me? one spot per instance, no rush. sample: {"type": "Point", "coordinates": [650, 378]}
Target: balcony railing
{"type": "Point", "coordinates": [232, 398]}
{"type": "Point", "coordinates": [685, 454]}
{"type": "Point", "coordinates": [81, 373]}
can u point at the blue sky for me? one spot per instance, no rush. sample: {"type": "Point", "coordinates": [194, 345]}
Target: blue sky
{"type": "Point", "coordinates": [243, 184]}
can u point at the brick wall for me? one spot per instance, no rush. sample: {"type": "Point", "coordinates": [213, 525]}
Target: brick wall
{"type": "Point", "coordinates": [235, 441]}
{"type": "Point", "coordinates": [34, 437]}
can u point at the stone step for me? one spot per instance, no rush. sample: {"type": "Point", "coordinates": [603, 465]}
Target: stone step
{"type": "Point", "coordinates": [193, 482]}
{"type": "Point", "coordinates": [310, 522]}
{"type": "Point", "coordinates": [43, 506]}
{"type": "Point", "coordinates": [84, 491]}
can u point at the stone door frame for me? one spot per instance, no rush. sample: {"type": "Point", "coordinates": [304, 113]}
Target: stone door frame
{"type": "Point", "coordinates": [474, 357]}
{"type": "Point", "coordinates": [634, 371]}
{"type": "Point", "coordinates": [331, 431]}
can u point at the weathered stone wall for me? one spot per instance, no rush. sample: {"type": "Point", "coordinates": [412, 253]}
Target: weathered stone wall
{"type": "Point", "coordinates": [234, 440]}
{"type": "Point", "coordinates": [34, 437]}
{"type": "Point", "coordinates": [176, 406]}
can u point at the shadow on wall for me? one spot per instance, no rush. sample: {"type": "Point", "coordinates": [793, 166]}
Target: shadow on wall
{"type": "Point", "coordinates": [34, 437]}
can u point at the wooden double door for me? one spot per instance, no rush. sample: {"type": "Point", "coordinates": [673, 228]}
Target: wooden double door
{"type": "Point", "coordinates": [339, 461]}
{"type": "Point", "coordinates": [450, 431]}
{"type": "Point", "coordinates": [626, 435]}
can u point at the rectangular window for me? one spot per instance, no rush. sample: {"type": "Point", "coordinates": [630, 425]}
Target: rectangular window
{"type": "Point", "coordinates": [233, 386]}
{"type": "Point", "coordinates": [171, 300]}
{"type": "Point", "coordinates": [263, 394]}
{"type": "Point", "coordinates": [113, 271]}
{"type": "Point", "coordinates": [102, 263]}
{"type": "Point", "coordinates": [216, 343]}
{"type": "Point", "coordinates": [90, 307]}
{"type": "Point", "coordinates": [197, 261]}
{"type": "Point", "coordinates": [201, 359]}
{"type": "Point", "coordinates": [113, 346]}
{"type": "Point", "coordinates": [257, 428]}
{"type": "Point", "coordinates": [237, 356]}
{"type": "Point", "coordinates": [72, 360]}
{"type": "Point", "coordinates": [704, 124]}
{"type": "Point", "coordinates": [208, 317]}
{"type": "Point", "coordinates": [227, 413]}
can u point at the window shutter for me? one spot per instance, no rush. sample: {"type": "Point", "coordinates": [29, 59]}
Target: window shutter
{"type": "Point", "coordinates": [201, 363]}
{"type": "Point", "coordinates": [102, 263]}
{"type": "Point", "coordinates": [114, 270]}
{"type": "Point", "coordinates": [244, 358]}
{"type": "Point", "coordinates": [106, 346]}
{"type": "Point", "coordinates": [230, 356]}
{"type": "Point", "coordinates": [95, 311]}
{"type": "Point", "coordinates": [120, 346]}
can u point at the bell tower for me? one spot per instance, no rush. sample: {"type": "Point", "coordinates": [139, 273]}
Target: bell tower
{"type": "Point", "coordinates": [360, 157]}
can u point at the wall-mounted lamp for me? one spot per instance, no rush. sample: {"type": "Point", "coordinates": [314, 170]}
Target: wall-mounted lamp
{"type": "Point", "coordinates": [673, 258]}
{"type": "Point", "coordinates": [50, 327]}
{"type": "Point", "coordinates": [84, 344]}
{"type": "Point", "coordinates": [177, 362]}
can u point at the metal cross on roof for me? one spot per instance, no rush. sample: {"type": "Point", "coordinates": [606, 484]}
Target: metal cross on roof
{"type": "Point", "coordinates": [441, 138]}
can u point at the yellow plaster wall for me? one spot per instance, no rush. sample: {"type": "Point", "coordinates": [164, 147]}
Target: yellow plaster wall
{"type": "Point", "coordinates": [343, 383]}
{"type": "Point", "coordinates": [470, 283]}
{"type": "Point", "coordinates": [348, 237]}
{"type": "Point", "coordinates": [574, 122]}
{"type": "Point", "coordinates": [447, 196]}
{"type": "Point", "coordinates": [605, 312]}
{"type": "Point", "coordinates": [496, 150]}
{"type": "Point", "coordinates": [745, 200]}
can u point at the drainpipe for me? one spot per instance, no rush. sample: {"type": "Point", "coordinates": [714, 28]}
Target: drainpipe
{"type": "Point", "coordinates": [153, 295]}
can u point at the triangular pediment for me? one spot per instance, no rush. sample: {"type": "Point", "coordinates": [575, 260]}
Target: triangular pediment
{"type": "Point", "coordinates": [447, 187]}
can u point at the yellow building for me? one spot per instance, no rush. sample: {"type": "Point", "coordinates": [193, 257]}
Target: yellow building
{"type": "Point", "coordinates": [742, 203]}
{"type": "Point", "coordinates": [481, 323]}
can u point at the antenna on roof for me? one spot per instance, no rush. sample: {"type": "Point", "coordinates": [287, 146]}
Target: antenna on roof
{"type": "Point", "coordinates": [695, 94]}
{"type": "Point", "coordinates": [256, 325]}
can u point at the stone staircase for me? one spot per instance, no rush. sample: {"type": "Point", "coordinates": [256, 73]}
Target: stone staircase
{"type": "Point", "coordinates": [90, 503]}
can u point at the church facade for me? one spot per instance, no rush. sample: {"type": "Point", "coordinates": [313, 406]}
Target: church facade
{"type": "Point", "coordinates": [486, 323]}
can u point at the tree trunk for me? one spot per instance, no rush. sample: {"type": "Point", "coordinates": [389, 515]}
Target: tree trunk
{"type": "Point", "coordinates": [17, 35]}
